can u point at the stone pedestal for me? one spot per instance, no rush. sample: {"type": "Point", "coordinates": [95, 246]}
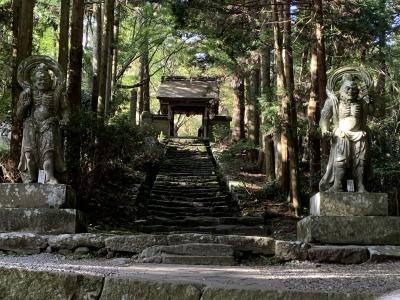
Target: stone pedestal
{"type": "Point", "coordinates": [39, 208]}
{"type": "Point", "coordinates": [349, 218]}
{"type": "Point", "coordinates": [349, 204]}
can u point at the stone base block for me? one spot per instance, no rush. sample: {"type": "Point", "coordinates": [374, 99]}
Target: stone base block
{"type": "Point", "coordinates": [43, 220]}
{"type": "Point", "coordinates": [351, 230]}
{"type": "Point", "coordinates": [35, 195]}
{"type": "Point", "coordinates": [384, 253]}
{"type": "Point", "coordinates": [338, 254]}
{"type": "Point", "coordinates": [349, 204]}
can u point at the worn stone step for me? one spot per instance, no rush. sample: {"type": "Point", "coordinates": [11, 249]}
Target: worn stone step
{"type": "Point", "coordinates": [190, 198]}
{"type": "Point", "coordinates": [219, 229]}
{"type": "Point", "coordinates": [187, 203]}
{"type": "Point", "coordinates": [194, 177]}
{"type": "Point", "coordinates": [194, 210]}
{"type": "Point", "coordinates": [210, 192]}
{"type": "Point", "coordinates": [190, 260]}
{"type": "Point", "coordinates": [204, 221]}
{"type": "Point", "coordinates": [189, 249]}
{"type": "Point", "coordinates": [211, 186]}
{"type": "Point", "coordinates": [187, 213]}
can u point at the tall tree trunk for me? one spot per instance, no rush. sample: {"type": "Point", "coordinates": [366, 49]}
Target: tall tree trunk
{"type": "Point", "coordinates": [282, 171]}
{"type": "Point", "coordinates": [64, 35]}
{"type": "Point", "coordinates": [238, 107]}
{"type": "Point", "coordinates": [144, 77]}
{"type": "Point", "coordinates": [290, 111]}
{"type": "Point", "coordinates": [251, 106]}
{"type": "Point", "coordinates": [116, 48]}
{"type": "Point", "coordinates": [22, 48]}
{"type": "Point", "coordinates": [74, 92]}
{"type": "Point", "coordinates": [380, 86]}
{"type": "Point", "coordinates": [105, 52]}
{"type": "Point", "coordinates": [317, 96]}
{"type": "Point", "coordinates": [267, 137]}
{"type": "Point", "coordinates": [110, 51]}
{"type": "Point", "coordinates": [133, 106]}
{"type": "Point", "coordinates": [303, 64]}
{"type": "Point", "coordinates": [96, 60]}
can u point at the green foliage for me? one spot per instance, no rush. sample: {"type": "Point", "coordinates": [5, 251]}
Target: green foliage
{"type": "Point", "coordinates": [269, 110]}
{"type": "Point", "coordinates": [241, 147]}
{"type": "Point", "coordinates": [221, 133]}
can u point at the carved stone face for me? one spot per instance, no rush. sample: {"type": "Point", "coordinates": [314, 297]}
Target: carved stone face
{"type": "Point", "coordinates": [43, 80]}
{"type": "Point", "coordinates": [349, 91]}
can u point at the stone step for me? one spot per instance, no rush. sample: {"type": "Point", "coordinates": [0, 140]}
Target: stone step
{"type": "Point", "coordinates": [188, 203]}
{"type": "Point", "coordinates": [204, 221]}
{"type": "Point", "coordinates": [191, 191]}
{"type": "Point", "coordinates": [195, 178]}
{"type": "Point", "coordinates": [190, 198]}
{"type": "Point", "coordinates": [193, 210]}
{"type": "Point", "coordinates": [187, 214]}
{"type": "Point", "coordinates": [219, 229]}
{"type": "Point", "coordinates": [190, 260]}
{"type": "Point", "coordinates": [190, 175]}
{"type": "Point", "coordinates": [188, 184]}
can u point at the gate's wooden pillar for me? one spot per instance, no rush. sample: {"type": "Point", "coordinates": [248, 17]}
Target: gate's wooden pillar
{"type": "Point", "coordinates": [205, 122]}
{"type": "Point", "coordinates": [171, 120]}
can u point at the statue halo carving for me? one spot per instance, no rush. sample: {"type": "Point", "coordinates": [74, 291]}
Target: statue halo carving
{"type": "Point", "coordinates": [356, 72]}
{"type": "Point", "coordinates": [30, 63]}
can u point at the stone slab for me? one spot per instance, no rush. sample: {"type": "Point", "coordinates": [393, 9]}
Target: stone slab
{"type": "Point", "coordinates": [35, 195]}
{"type": "Point", "coordinates": [32, 285]}
{"type": "Point", "coordinates": [218, 293]}
{"type": "Point", "coordinates": [349, 204]}
{"type": "Point", "coordinates": [291, 250]}
{"type": "Point", "coordinates": [73, 241]}
{"type": "Point", "coordinates": [384, 253]}
{"type": "Point", "coordinates": [351, 230]}
{"type": "Point", "coordinates": [338, 254]}
{"type": "Point", "coordinates": [42, 220]}
{"type": "Point", "coordinates": [137, 243]}
{"type": "Point", "coordinates": [198, 260]}
{"type": "Point", "coordinates": [22, 242]}
{"type": "Point", "coordinates": [193, 249]}
{"type": "Point", "coordinates": [127, 288]}
{"type": "Point", "coordinates": [134, 243]}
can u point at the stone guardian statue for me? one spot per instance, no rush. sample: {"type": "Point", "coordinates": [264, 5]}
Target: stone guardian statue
{"type": "Point", "coordinates": [44, 110]}
{"type": "Point", "coordinates": [344, 121]}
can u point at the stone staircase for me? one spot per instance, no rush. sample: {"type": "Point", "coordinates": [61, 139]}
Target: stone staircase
{"type": "Point", "coordinates": [188, 197]}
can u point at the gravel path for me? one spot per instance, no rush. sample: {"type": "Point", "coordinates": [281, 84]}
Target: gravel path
{"type": "Point", "coordinates": [366, 278]}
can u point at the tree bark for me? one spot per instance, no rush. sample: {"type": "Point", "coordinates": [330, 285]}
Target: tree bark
{"type": "Point", "coordinates": [105, 52]}
{"type": "Point", "coordinates": [282, 170]}
{"type": "Point", "coordinates": [238, 107]}
{"type": "Point", "coordinates": [317, 96]}
{"type": "Point", "coordinates": [64, 35]}
{"type": "Point", "coordinates": [115, 50]}
{"type": "Point", "coordinates": [380, 86]}
{"type": "Point", "coordinates": [289, 110]}
{"type": "Point", "coordinates": [74, 92]}
{"type": "Point", "coordinates": [253, 118]}
{"type": "Point", "coordinates": [133, 106]}
{"type": "Point", "coordinates": [144, 77]}
{"type": "Point", "coordinates": [267, 138]}
{"type": "Point", "coordinates": [110, 54]}
{"type": "Point", "coordinates": [96, 60]}
{"type": "Point", "coordinates": [22, 48]}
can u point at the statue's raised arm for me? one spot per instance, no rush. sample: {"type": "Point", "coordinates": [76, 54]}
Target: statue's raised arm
{"type": "Point", "coordinates": [43, 108]}
{"type": "Point", "coordinates": [344, 120]}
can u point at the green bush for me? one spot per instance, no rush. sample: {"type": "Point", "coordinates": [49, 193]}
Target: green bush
{"type": "Point", "coordinates": [220, 133]}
